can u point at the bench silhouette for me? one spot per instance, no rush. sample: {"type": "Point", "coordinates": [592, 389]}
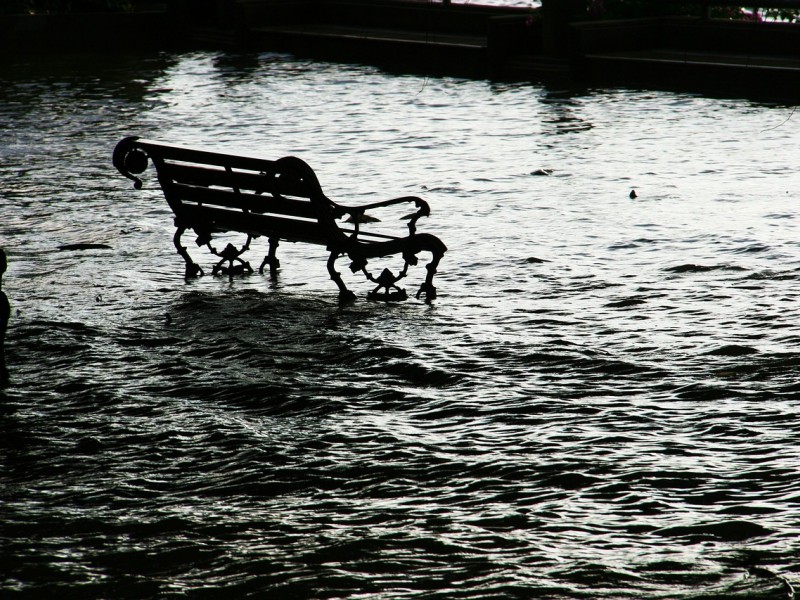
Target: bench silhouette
{"type": "Point", "coordinates": [212, 193]}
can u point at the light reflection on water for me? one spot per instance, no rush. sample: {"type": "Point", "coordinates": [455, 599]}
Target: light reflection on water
{"type": "Point", "coordinates": [514, 3]}
{"type": "Point", "coordinates": [602, 402]}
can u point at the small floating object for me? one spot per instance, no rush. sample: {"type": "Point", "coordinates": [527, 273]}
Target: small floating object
{"type": "Point", "coordinates": [626, 303]}
{"type": "Point", "coordinates": [731, 531]}
{"type": "Point", "coordinates": [633, 195]}
{"type": "Point", "coordinates": [76, 247]}
{"type": "Point", "coordinates": [690, 268]}
{"type": "Point", "coordinates": [733, 350]}
{"type": "Point", "coordinates": [535, 261]}
{"type": "Point", "coordinates": [89, 445]}
{"type": "Point", "coordinates": [542, 172]}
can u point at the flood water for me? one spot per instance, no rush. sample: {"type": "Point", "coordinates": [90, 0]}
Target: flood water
{"type": "Point", "coordinates": [602, 402]}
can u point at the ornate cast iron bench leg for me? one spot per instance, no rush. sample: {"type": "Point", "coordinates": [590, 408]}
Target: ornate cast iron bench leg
{"type": "Point", "coordinates": [192, 268]}
{"type": "Point", "coordinates": [345, 295]}
{"type": "Point", "coordinates": [228, 255]}
{"type": "Point", "coordinates": [427, 286]}
{"type": "Point", "coordinates": [387, 281]}
{"type": "Point", "coordinates": [271, 260]}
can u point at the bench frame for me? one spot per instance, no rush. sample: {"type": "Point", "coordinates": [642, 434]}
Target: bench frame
{"type": "Point", "coordinates": [212, 192]}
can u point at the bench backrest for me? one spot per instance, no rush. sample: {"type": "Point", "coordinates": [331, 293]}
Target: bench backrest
{"type": "Point", "coordinates": [210, 191]}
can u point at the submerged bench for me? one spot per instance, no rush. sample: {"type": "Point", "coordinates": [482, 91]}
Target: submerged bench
{"type": "Point", "coordinates": [213, 193]}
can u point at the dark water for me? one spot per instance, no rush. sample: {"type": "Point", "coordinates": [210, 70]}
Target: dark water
{"type": "Point", "coordinates": [602, 403]}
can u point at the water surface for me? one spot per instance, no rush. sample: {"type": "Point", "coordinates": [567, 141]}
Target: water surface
{"type": "Point", "coordinates": [602, 402]}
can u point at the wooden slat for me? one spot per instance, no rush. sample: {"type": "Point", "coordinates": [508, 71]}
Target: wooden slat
{"type": "Point", "coordinates": [218, 219]}
{"type": "Point", "coordinates": [265, 203]}
{"type": "Point", "coordinates": [207, 175]}
{"type": "Point", "coordinates": [296, 230]}
{"type": "Point", "coordinates": [172, 152]}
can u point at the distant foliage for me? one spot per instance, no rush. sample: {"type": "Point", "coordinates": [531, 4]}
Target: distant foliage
{"type": "Point", "coordinates": [629, 9]}
{"type": "Point", "coordinates": [790, 15]}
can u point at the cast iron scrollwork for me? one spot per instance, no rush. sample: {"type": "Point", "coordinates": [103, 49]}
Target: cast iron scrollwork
{"type": "Point", "coordinates": [130, 160]}
{"type": "Point", "coordinates": [387, 281]}
{"type": "Point", "coordinates": [231, 254]}
{"type": "Point", "coordinates": [387, 288]}
{"type": "Point", "coordinates": [192, 268]}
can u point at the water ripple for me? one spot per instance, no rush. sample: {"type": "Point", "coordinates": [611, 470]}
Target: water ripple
{"type": "Point", "coordinates": [601, 403]}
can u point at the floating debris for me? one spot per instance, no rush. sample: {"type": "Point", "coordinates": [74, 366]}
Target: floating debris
{"type": "Point", "coordinates": [627, 302]}
{"type": "Point", "coordinates": [78, 247]}
{"type": "Point", "coordinates": [88, 445]}
{"type": "Point", "coordinates": [733, 350]}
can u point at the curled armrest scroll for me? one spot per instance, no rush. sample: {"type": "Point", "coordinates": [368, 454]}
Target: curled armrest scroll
{"type": "Point", "coordinates": [130, 160]}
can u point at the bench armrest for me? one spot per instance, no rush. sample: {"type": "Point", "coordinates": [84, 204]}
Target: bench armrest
{"type": "Point", "coordinates": [357, 212]}
{"type": "Point", "coordinates": [130, 159]}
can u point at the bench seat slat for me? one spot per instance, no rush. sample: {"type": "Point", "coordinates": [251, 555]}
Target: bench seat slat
{"type": "Point", "coordinates": [255, 181]}
{"type": "Point", "coordinates": [172, 152]}
{"type": "Point", "coordinates": [189, 194]}
{"type": "Point", "coordinates": [220, 220]}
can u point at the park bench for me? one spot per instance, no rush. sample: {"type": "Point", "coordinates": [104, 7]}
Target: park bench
{"type": "Point", "coordinates": [214, 193]}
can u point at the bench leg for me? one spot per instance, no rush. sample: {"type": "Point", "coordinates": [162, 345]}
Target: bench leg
{"type": "Point", "coordinates": [271, 260]}
{"type": "Point", "coordinates": [427, 286]}
{"type": "Point", "coordinates": [228, 255]}
{"type": "Point", "coordinates": [345, 295]}
{"type": "Point", "coordinates": [192, 269]}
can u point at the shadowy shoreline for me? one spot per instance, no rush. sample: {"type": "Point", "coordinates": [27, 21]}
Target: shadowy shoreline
{"type": "Point", "coordinates": [714, 57]}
